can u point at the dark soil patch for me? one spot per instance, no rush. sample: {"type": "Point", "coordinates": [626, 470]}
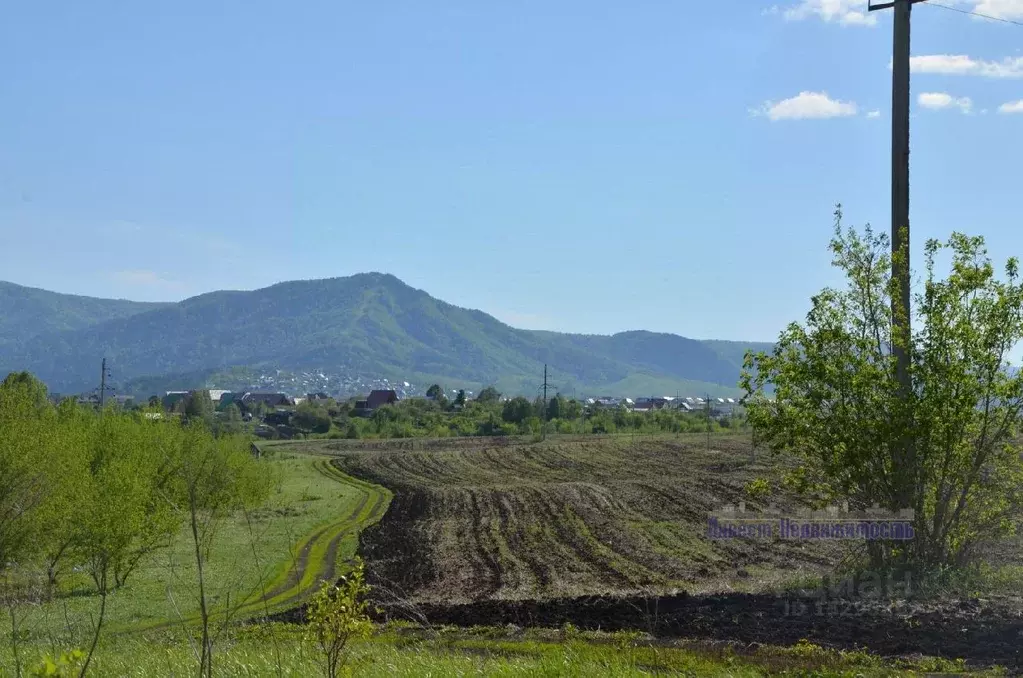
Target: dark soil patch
{"type": "Point", "coordinates": [990, 632]}
{"type": "Point", "coordinates": [981, 632]}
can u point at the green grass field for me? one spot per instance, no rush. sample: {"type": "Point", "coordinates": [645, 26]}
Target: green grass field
{"type": "Point", "coordinates": [279, 551]}
{"type": "Point", "coordinates": [279, 650]}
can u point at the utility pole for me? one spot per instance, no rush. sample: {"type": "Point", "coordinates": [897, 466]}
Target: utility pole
{"type": "Point", "coordinates": [104, 373]}
{"type": "Point", "coordinates": [707, 410]}
{"type": "Point", "coordinates": [901, 317]}
{"type": "Point", "coordinates": [545, 391]}
{"type": "Point", "coordinates": [546, 405]}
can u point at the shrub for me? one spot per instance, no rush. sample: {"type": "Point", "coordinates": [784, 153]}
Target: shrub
{"type": "Point", "coordinates": [338, 614]}
{"type": "Point", "coordinates": [758, 488]}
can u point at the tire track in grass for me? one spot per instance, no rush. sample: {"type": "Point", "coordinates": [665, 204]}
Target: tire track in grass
{"type": "Point", "coordinates": [329, 565]}
{"type": "Point", "coordinates": [316, 559]}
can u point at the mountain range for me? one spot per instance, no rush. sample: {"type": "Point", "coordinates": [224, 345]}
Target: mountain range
{"type": "Point", "coordinates": [369, 324]}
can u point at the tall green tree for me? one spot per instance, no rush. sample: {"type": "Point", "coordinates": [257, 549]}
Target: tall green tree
{"type": "Point", "coordinates": [124, 511]}
{"type": "Point", "coordinates": [199, 407]}
{"type": "Point", "coordinates": [58, 528]}
{"type": "Point", "coordinates": [231, 421]}
{"type": "Point", "coordinates": [517, 410]}
{"type": "Point", "coordinates": [434, 391]}
{"type": "Point", "coordinates": [556, 407]}
{"type": "Point", "coordinates": [26, 452]}
{"type": "Point", "coordinates": [31, 387]}
{"type": "Point", "coordinates": [837, 404]}
{"type": "Point", "coordinates": [212, 477]}
{"type": "Point", "coordinates": [488, 396]}
{"type": "Point", "coordinates": [312, 417]}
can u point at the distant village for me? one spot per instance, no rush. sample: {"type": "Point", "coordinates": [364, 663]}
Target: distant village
{"type": "Point", "coordinates": [271, 412]}
{"type": "Point", "coordinates": [378, 397]}
{"type": "Point", "coordinates": [274, 394]}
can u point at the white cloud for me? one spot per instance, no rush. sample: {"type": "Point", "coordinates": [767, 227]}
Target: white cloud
{"type": "Point", "coordinates": [805, 106]}
{"type": "Point", "coordinates": [940, 100]}
{"type": "Point", "coordinates": [855, 13]}
{"type": "Point", "coordinates": [1000, 9]}
{"type": "Point", "coordinates": [1011, 107]}
{"type": "Point", "coordinates": [844, 12]}
{"type": "Point", "coordinates": [874, 114]}
{"type": "Point", "coordinates": [961, 64]}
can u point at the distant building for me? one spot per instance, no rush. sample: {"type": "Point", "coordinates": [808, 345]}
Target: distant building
{"type": "Point", "coordinates": [217, 394]}
{"type": "Point", "coordinates": [607, 401]}
{"type": "Point", "coordinates": [381, 397]}
{"type": "Point", "coordinates": [654, 403]}
{"type": "Point", "coordinates": [317, 396]}
{"type": "Point", "coordinates": [278, 418]}
{"type": "Point", "coordinates": [376, 399]}
{"type": "Point", "coordinates": [268, 399]}
{"type": "Point", "coordinates": [172, 398]}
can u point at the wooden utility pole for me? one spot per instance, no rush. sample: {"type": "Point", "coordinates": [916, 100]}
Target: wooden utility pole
{"type": "Point", "coordinates": [900, 184]}
{"type": "Point", "coordinates": [901, 316]}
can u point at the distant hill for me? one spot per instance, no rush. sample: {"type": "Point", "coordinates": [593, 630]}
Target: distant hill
{"type": "Point", "coordinates": [26, 312]}
{"type": "Point", "coordinates": [369, 324]}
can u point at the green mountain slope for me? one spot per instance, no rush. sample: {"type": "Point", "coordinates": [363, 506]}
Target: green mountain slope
{"type": "Point", "coordinates": [26, 312]}
{"type": "Point", "coordinates": [370, 324]}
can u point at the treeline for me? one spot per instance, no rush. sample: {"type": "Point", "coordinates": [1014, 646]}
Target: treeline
{"type": "Point", "coordinates": [97, 491]}
{"type": "Point", "coordinates": [489, 415]}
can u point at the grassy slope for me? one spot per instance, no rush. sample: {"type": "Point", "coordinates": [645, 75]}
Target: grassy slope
{"type": "Point", "coordinates": [248, 557]}
{"type": "Point", "coordinates": [369, 324]}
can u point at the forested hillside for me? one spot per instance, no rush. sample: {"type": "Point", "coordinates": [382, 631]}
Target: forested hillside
{"type": "Point", "coordinates": [369, 324]}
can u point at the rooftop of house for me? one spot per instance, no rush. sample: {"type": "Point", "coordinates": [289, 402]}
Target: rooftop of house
{"type": "Point", "coordinates": [381, 397]}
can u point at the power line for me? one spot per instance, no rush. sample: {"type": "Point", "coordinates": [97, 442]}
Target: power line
{"type": "Point", "coordinates": [977, 14]}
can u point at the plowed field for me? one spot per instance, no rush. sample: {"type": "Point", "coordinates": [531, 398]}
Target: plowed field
{"type": "Point", "coordinates": [568, 518]}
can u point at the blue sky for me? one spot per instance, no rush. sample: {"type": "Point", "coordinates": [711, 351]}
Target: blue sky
{"type": "Point", "coordinates": [579, 166]}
